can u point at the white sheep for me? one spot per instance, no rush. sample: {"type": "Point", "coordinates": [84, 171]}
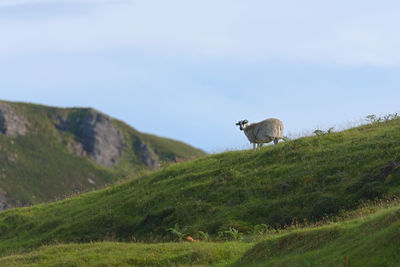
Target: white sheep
{"type": "Point", "coordinates": [262, 132]}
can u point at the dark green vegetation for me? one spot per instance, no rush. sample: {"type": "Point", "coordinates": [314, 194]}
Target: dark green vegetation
{"type": "Point", "coordinates": [303, 179]}
{"type": "Point", "coordinates": [367, 240]}
{"type": "Point", "coordinates": [57, 152]}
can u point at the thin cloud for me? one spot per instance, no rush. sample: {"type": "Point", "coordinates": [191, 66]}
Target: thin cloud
{"type": "Point", "coordinates": [362, 32]}
{"type": "Point", "coordinates": [5, 3]}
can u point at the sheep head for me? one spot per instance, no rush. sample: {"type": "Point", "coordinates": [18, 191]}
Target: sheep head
{"type": "Point", "coordinates": [242, 124]}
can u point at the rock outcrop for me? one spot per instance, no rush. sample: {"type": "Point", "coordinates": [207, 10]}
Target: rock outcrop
{"type": "Point", "coordinates": [148, 157]}
{"type": "Point", "coordinates": [98, 136]}
{"type": "Point", "coordinates": [101, 139]}
{"type": "Point", "coordinates": [11, 124]}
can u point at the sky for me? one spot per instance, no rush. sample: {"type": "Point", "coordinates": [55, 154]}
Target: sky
{"type": "Point", "coordinates": [189, 70]}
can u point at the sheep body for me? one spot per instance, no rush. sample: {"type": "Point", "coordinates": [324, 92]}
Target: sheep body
{"type": "Point", "coordinates": [262, 132]}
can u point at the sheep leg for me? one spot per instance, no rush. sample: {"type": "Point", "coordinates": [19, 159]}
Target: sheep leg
{"type": "Point", "coordinates": [254, 146]}
{"type": "Point", "coordinates": [275, 141]}
{"type": "Point", "coordinates": [259, 145]}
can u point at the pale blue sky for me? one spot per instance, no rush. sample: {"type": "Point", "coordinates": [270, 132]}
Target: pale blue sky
{"type": "Point", "coordinates": [190, 70]}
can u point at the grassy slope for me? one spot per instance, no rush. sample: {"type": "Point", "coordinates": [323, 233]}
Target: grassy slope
{"type": "Point", "coordinates": [131, 254]}
{"type": "Point", "coordinates": [167, 150]}
{"type": "Point", "coordinates": [38, 167]}
{"type": "Point", "coordinates": [365, 241]}
{"type": "Point", "coordinates": [300, 179]}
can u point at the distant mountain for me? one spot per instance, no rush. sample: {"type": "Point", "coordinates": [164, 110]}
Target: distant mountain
{"type": "Point", "coordinates": [48, 153]}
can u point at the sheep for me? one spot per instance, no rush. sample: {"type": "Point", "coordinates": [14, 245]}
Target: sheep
{"type": "Point", "coordinates": [262, 132]}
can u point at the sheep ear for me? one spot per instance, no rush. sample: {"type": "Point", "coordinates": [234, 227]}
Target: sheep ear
{"type": "Point", "coordinates": [238, 123]}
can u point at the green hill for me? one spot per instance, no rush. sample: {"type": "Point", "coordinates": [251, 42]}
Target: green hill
{"type": "Point", "coordinates": [47, 153]}
{"type": "Point", "coordinates": [367, 240]}
{"type": "Point", "coordinates": [301, 180]}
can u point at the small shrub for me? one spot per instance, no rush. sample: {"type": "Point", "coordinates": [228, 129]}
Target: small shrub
{"type": "Point", "coordinates": [260, 229]}
{"type": "Point", "coordinates": [231, 234]}
{"type": "Point", "coordinates": [177, 232]}
{"type": "Point", "coordinates": [325, 205]}
{"type": "Point", "coordinates": [280, 218]}
{"type": "Point", "coordinates": [371, 118]}
{"type": "Point", "coordinates": [203, 236]}
{"type": "Point", "coordinates": [388, 117]}
{"type": "Point", "coordinates": [372, 190]}
{"type": "Point", "coordinates": [318, 132]}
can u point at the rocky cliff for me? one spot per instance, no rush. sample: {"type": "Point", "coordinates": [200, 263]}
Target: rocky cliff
{"type": "Point", "coordinates": [99, 137]}
{"type": "Point", "coordinates": [47, 153]}
{"type": "Point", "coordinates": [11, 124]}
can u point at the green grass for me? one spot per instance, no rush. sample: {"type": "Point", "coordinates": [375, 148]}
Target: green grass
{"type": "Point", "coordinates": [304, 179]}
{"type": "Point", "coordinates": [39, 167]}
{"type": "Point", "coordinates": [131, 254]}
{"type": "Point", "coordinates": [367, 240]}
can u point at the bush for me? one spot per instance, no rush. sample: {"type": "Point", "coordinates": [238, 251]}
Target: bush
{"type": "Point", "coordinates": [325, 205]}
{"type": "Point", "coordinates": [280, 218]}
{"type": "Point", "coordinates": [371, 191]}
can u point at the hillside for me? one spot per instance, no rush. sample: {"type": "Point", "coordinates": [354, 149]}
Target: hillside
{"type": "Point", "coordinates": [365, 241]}
{"type": "Point", "coordinates": [305, 179]}
{"type": "Point", "coordinates": [370, 238]}
{"type": "Point", "coordinates": [47, 153]}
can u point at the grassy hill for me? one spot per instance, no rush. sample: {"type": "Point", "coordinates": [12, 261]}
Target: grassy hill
{"type": "Point", "coordinates": [47, 153]}
{"type": "Point", "coordinates": [366, 240]}
{"type": "Point", "coordinates": [301, 180]}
